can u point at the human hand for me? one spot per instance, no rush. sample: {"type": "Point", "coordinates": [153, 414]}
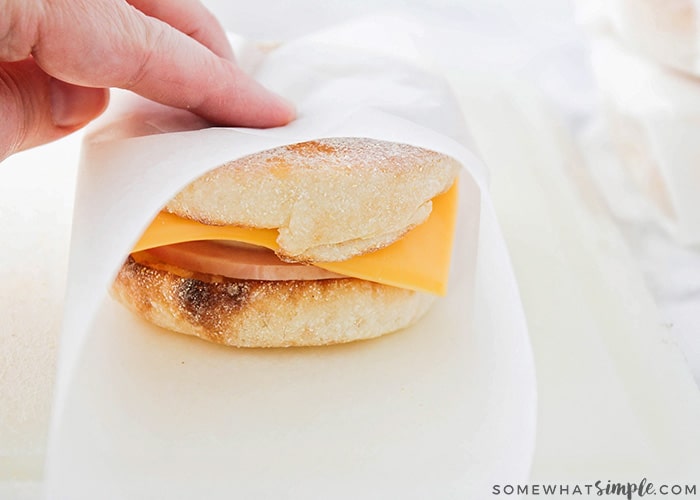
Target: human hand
{"type": "Point", "coordinates": [58, 57]}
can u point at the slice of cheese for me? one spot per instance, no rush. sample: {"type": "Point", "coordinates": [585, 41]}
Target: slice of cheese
{"type": "Point", "coordinates": [418, 261]}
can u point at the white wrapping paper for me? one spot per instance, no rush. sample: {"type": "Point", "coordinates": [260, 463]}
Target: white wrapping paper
{"type": "Point", "coordinates": [444, 409]}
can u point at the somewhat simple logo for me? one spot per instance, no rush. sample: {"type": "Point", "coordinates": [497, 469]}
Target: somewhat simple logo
{"type": "Point", "coordinates": [600, 488]}
{"type": "Point", "coordinates": [640, 489]}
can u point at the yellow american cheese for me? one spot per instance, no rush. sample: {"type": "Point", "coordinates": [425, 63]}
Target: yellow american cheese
{"type": "Point", "coordinates": [418, 261]}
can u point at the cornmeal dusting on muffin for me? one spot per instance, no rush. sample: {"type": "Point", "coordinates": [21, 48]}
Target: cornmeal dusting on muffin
{"type": "Point", "coordinates": [330, 199]}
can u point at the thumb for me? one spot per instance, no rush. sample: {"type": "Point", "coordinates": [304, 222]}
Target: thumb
{"type": "Point", "coordinates": [36, 108]}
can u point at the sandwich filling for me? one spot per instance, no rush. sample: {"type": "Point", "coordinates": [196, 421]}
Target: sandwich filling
{"type": "Point", "coordinates": [234, 259]}
{"type": "Point", "coordinates": [420, 260]}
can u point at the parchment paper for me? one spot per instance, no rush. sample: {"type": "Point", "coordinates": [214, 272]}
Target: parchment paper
{"type": "Point", "coordinates": [443, 409]}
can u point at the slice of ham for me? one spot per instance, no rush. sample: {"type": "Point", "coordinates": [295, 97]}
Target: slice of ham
{"type": "Point", "coordinates": [236, 260]}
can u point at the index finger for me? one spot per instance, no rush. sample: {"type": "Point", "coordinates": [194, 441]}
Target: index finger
{"type": "Point", "coordinates": [193, 19]}
{"type": "Point", "coordinates": [116, 45]}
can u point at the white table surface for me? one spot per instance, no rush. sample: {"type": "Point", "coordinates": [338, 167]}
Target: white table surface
{"type": "Point", "coordinates": [539, 45]}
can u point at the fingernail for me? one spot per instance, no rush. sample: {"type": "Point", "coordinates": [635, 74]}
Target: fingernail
{"type": "Point", "coordinates": [72, 105]}
{"type": "Point", "coordinates": [286, 110]}
{"type": "Point", "coordinates": [291, 107]}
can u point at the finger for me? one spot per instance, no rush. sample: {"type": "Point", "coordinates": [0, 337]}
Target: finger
{"type": "Point", "coordinates": [191, 18]}
{"type": "Point", "coordinates": [37, 108]}
{"type": "Point", "coordinates": [116, 45]}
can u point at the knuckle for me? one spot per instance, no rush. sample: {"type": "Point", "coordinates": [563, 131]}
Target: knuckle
{"type": "Point", "coordinates": [151, 38]}
{"type": "Point", "coordinates": [18, 110]}
{"type": "Point", "coordinates": [18, 29]}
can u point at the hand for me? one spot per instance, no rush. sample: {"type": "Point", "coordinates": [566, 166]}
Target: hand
{"type": "Point", "coordinates": [58, 57]}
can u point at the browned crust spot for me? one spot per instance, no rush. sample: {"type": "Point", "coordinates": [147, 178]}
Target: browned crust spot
{"type": "Point", "coordinates": [311, 148]}
{"type": "Point", "coordinates": [248, 313]}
